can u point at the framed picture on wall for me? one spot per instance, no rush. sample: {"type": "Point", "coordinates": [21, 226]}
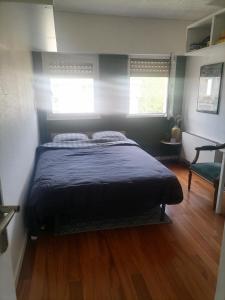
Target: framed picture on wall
{"type": "Point", "coordinates": [209, 88]}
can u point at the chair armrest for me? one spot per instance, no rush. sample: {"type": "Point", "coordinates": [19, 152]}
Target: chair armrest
{"type": "Point", "coordinates": [206, 148]}
{"type": "Point", "coordinates": [196, 156]}
{"type": "Point", "coordinates": [210, 148]}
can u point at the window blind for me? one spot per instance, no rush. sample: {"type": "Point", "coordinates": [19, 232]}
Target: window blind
{"type": "Point", "coordinates": [149, 67]}
{"type": "Point", "coordinates": [75, 69]}
{"type": "Point", "coordinates": [70, 65]}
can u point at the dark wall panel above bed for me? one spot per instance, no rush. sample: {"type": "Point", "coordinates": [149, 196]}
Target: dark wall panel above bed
{"type": "Point", "coordinates": [112, 94]}
{"type": "Point", "coordinates": [147, 131]}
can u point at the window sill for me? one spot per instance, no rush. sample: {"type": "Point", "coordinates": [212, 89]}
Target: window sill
{"type": "Point", "coordinates": [146, 115]}
{"type": "Point", "coordinates": [65, 116]}
{"type": "Point", "coordinates": [92, 116]}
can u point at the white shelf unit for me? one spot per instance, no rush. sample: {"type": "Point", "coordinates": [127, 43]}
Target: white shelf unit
{"type": "Point", "coordinates": [212, 26]}
{"type": "Point", "coordinates": [214, 50]}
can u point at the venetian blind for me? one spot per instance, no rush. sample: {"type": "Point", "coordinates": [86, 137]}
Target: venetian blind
{"type": "Point", "coordinates": [70, 65]}
{"type": "Point", "coordinates": [75, 69]}
{"type": "Point", "coordinates": [149, 67]}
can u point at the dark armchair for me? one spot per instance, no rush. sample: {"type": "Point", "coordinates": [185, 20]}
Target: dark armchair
{"type": "Point", "coordinates": [208, 171]}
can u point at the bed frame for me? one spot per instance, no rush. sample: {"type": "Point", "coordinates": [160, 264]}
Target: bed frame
{"type": "Point", "coordinates": [162, 218]}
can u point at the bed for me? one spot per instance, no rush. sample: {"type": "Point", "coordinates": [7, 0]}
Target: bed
{"type": "Point", "coordinates": [97, 177]}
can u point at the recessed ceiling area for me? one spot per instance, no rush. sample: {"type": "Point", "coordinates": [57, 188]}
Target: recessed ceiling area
{"type": "Point", "coordinates": [166, 9]}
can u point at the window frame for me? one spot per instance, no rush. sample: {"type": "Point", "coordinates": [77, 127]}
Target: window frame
{"type": "Point", "coordinates": [148, 114]}
{"type": "Point", "coordinates": [55, 59]}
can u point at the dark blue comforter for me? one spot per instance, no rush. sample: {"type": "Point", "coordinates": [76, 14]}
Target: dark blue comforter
{"type": "Point", "coordinates": [102, 179]}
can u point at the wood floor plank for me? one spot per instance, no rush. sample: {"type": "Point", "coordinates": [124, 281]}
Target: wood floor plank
{"type": "Point", "coordinates": [141, 287]}
{"type": "Point", "coordinates": [156, 262]}
{"type": "Point", "coordinates": [76, 290]}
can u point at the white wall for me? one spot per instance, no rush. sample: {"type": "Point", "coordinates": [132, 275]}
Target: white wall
{"type": "Point", "coordinates": [80, 33]}
{"type": "Point", "coordinates": [18, 123]}
{"type": "Point", "coordinates": [190, 142]}
{"type": "Point", "coordinates": [205, 125]}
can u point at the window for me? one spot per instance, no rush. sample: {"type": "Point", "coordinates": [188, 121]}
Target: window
{"type": "Point", "coordinates": [72, 86]}
{"type": "Point", "coordinates": [72, 95]}
{"type": "Point", "coordinates": [149, 80]}
{"type": "Point", "coordinates": [148, 95]}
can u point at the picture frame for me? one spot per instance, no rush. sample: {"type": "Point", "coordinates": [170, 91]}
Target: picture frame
{"type": "Point", "coordinates": [210, 88]}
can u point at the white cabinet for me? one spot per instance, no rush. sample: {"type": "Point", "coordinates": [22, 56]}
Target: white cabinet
{"type": "Point", "coordinates": [206, 33]}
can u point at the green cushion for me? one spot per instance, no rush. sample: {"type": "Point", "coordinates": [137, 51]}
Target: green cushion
{"type": "Point", "coordinates": [209, 171]}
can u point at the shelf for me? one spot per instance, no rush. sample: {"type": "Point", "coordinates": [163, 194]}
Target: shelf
{"type": "Point", "coordinates": [212, 27]}
{"type": "Point", "coordinates": [218, 27]}
{"type": "Point", "coordinates": [208, 51]}
{"type": "Point", "coordinates": [202, 23]}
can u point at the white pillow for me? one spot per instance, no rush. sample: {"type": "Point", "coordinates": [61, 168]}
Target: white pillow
{"type": "Point", "coordinates": [70, 137]}
{"type": "Point", "coordinates": [112, 135]}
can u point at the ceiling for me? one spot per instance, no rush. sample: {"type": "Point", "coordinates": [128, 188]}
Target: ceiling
{"type": "Point", "coordinates": [166, 9]}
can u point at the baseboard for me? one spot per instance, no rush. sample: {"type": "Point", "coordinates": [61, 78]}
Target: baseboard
{"type": "Point", "coordinates": [20, 261]}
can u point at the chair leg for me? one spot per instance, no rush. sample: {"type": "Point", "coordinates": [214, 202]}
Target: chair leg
{"type": "Point", "coordinates": [189, 180]}
{"type": "Point", "coordinates": [216, 186]}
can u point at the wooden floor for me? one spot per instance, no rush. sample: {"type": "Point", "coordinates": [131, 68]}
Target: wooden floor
{"type": "Point", "coordinates": [167, 261]}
